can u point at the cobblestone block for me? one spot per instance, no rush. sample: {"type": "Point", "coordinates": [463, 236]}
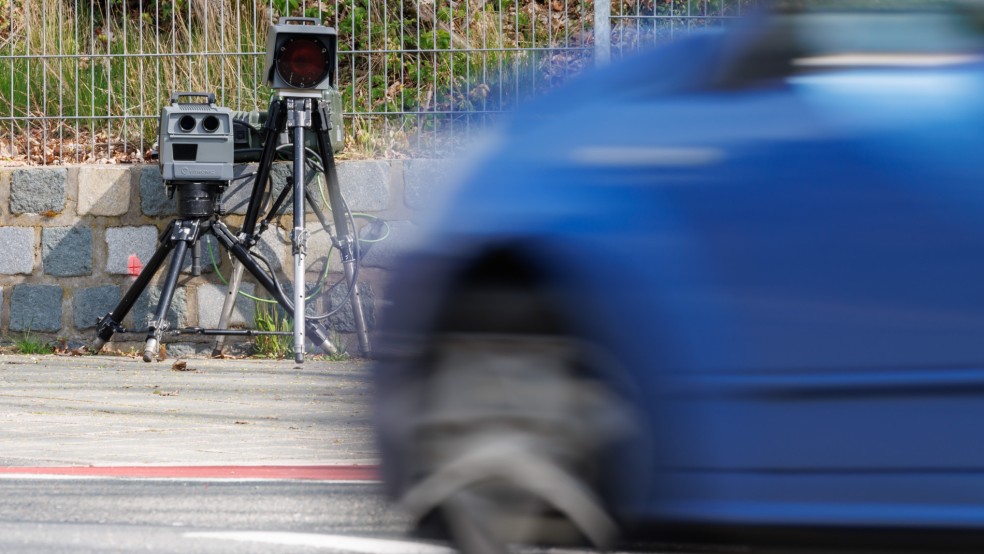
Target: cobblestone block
{"type": "Point", "coordinates": [66, 251]}
{"type": "Point", "coordinates": [365, 185]}
{"type": "Point", "coordinates": [235, 199]}
{"type": "Point", "coordinates": [189, 349]}
{"type": "Point", "coordinates": [423, 182]}
{"type": "Point", "coordinates": [402, 236]}
{"type": "Point", "coordinates": [17, 253]}
{"type": "Point", "coordinates": [38, 191]}
{"type": "Point", "coordinates": [318, 246]}
{"type": "Point", "coordinates": [146, 305]}
{"type": "Point", "coordinates": [281, 174]}
{"type": "Point", "coordinates": [36, 308]}
{"type": "Point", "coordinates": [122, 242]}
{"type": "Point", "coordinates": [211, 298]}
{"type": "Point", "coordinates": [153, 196]}
{"type": "Point", "coordinates": [89, 304]}
{"type": "Point", "coordinates": [104, 191]}
{"type": "Point", "coordinates": [274, 246]}
{"type": "Point", "coordinates": [344, 320]}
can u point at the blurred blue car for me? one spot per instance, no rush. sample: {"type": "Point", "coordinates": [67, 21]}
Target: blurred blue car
{"type": "Point", "coordinates": [736, 282]}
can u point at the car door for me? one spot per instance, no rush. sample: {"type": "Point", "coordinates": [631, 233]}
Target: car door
{"type": "Point", "coordinates": [833, 362]}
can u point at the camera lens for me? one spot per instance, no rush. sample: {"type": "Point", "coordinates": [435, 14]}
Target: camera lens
{"type": "Point", "coordinates": [187, 123]}
{"type": "Point", "coordinates": [303, 62]}
{"type": "Point", "coordinates": [210, 123]}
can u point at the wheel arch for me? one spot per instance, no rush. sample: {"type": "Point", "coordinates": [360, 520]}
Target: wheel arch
{"type": "Point", "coordinates": [513, 288]}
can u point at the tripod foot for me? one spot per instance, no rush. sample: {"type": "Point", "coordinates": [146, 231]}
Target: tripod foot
{"type": "Point", "coordinates": [151, 349]}
{"type": "Point", "coordinates": [97, 345]}
{"type": "Point", "coordinates": [298, 358]}
{"type": "Point", "coordinates": [327, 347]}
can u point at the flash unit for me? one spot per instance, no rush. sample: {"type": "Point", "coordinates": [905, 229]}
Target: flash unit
{"type": "Point", "coordinates": [301, 55]}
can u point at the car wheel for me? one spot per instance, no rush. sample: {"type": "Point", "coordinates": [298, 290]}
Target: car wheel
{"type": "Point", "coordinates": [510, 439]}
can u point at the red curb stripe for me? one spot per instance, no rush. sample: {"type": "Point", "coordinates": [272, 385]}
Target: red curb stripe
{"type": "Point", "coordinates": [320, 473]}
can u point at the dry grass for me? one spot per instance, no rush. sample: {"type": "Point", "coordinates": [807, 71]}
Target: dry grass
{"type": "Point", "coordinates": [84, 82]}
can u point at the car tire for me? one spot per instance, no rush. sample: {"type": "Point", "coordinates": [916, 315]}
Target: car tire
{"type": "Point", "coordinates": [510, 440]}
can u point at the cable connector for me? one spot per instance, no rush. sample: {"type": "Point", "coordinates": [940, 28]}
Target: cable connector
{"type": "Point", "coordinates": [298, 239]}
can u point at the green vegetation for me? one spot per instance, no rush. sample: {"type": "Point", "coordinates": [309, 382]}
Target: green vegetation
{"type": "Point", "coordinates": [269, 318]}
{"type": "Point", "coordinates": [406, 67]}
{"type": "Point", "coordinates": [29, 343]}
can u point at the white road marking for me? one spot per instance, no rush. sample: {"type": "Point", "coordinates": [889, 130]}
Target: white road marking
{"type": "Point", "coordinates": [70, 477]}
{"type": "Point", "coordinates": [333, 542]}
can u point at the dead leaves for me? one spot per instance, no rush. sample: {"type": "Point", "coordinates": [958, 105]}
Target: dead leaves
{"type": "Point", "coordinates": [62, 349]}
{"type": "Point", "coordinates": [58, 143]}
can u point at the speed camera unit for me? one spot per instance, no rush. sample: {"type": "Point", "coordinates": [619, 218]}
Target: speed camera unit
{"type": "Point", "coordinates": [196, 139]}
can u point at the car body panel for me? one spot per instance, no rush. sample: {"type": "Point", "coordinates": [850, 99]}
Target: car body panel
{"type": "Point", "coordinates": [791, 275]}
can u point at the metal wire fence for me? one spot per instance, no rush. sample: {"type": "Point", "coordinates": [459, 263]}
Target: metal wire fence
{"type": "Point", "coordinates": [84, 81]}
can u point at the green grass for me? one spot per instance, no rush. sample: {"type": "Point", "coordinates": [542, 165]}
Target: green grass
{"type": "Point", "coordinates": [269, 318]}
{"type": "Point", "coordinates": [28, 343]}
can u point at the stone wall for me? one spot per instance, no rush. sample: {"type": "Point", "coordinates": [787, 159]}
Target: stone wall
{"type": "Point", "coordinates": [71, 236]}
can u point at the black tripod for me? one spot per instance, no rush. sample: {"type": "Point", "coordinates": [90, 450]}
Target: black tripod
{"type": "Point", "coordinates": [198, 213]}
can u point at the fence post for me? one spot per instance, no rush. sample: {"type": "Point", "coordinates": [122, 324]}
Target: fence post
{"type": "Point", "coordinates": [602, 32]}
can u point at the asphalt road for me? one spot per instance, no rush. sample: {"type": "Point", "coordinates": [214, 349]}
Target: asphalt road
{"type": "Point", "coordinates": [106, 454]}
{"type": "Point", "coordinates": [187, 516]}
{"type": "Point", "coordinates": [124, 515]}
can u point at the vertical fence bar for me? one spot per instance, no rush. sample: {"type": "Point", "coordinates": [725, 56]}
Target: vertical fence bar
{"type": "Point", "coordinates": [157, 50]}
{"type": "Point", "coordinates": [11, 99]}
{"type": "Point", "coordinates": [77, 108]}
{"type": "Point", "coordinates": [125, 77]}
{"type": "Point", "coordinates": [93, 60]}
{"type": "Point", "coordinates": [60, 80]}
{"type": "Point", "coordinates": [602, 32]}
{"type": "Point", "coordinates": [403, 65]}
{"type": "Point", "coordinates": [108, 34]}
{"type": "Point", "coordinates": [140, 99]}
{"type": "Point", "coordinates": [43, 149]}
{"type": "Point", "coordinates": [27, 75]}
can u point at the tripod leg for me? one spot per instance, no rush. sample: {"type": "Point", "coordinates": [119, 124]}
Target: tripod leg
{"type": "Point", "coordinates": [316, 332]}
{"type": "Point", "coordinates": [112, 322]}
{"type": "Point", "coordinates": [299, 118]}
{"type": "Point", "coordinates": [156, 328]}
{"type": "Point", "coordinates": [346, 236]}
{"type": "Point", "coordinates": [275, 121]}
{"type": "Point", "coordinates": [230, 303]}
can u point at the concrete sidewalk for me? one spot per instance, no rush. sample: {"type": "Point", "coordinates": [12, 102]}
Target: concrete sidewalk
{"type": "Point", "coordinates": [118, 411]}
